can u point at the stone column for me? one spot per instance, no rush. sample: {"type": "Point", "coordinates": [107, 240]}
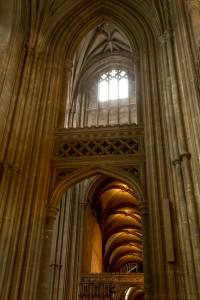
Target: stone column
{"type": "Point", "coordinates": [60, 254]}
{"type": "Point", "coordinates": [136, 61]}
{"type": "Point", "coordinates": [182, 147]}
{"type": "Point", "coordinates": [63, 118]}
{"type": "Point", "coordinates": [72, 268]}
{"type": "Point", "coordinates": [143, 209]}
{"type": "Point", "coordinates": [181, 204]}
{"type": "Point", "coordinates": [176, 133]}
{"type": "Point", "coordinates": [72, 119]}
{"type": "Point", "coordinates": [43, 283]}
{"type": "Point", "coordinates": [193, 7]}
{"type": "Point", "coordinates": [80, 246]}
{"type": "Point", "coordinates": [14, 204]}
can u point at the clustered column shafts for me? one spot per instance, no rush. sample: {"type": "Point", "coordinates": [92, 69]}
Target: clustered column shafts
{"type": "Point", "coordinates": [143, 209]}
{"type": "Point", "coordinates": [61, 244]}
{"type": "Point", "coordinates": [11, 211]}
{"type": "Point", "coordinates": [65, 109]}
{"type": "Point", "coordinates": [183, 173]}
{"type": "Point", "coordinates": [174, 152]}
{"type": "Point", "coordinates": [154, 175]}
{"type": "Point", "coordinates": [24, 184]}
{"type": "Point", "coordinates": [66, 252]}
{"type": "Point", "coordinates": [80, 243]}
{"type": "Point", "coordinates": [43, 283]}
{"type": "Point", "coordinates": [136, 61]}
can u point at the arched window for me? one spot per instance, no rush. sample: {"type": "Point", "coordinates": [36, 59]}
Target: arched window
{"type": "Point", "coordinates": [113, 85]}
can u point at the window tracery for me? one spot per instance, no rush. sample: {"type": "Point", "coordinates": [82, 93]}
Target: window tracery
{"type": "Point", "coordinates": [113, 85]}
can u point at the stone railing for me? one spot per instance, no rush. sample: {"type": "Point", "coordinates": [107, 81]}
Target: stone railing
{"type": "Point", "coordinates": [99, 141]}
{"type": "Point", "coordinates": [104, 285]}
{"type": "Point", "coordinates": [115, 146]}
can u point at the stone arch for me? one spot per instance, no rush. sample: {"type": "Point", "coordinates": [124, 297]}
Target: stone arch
{"type": "Point", "coordinates": [64, 32]}
{"type": "Point", "coordinates": [87, 172]}
{"type": "Point", "coordinates": [137, 292]}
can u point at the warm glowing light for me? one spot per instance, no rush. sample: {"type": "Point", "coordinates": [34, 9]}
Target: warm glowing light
{"type": "Point", "coordinates": [113, 85]}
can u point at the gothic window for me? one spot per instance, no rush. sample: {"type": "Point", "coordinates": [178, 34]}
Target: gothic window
{"type": "Point", "coordinates": [113, 85]}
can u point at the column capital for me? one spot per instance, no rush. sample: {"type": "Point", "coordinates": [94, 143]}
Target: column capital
{"type": "Point", "coordinates": [68, 64]}
{"type": "Point", "coordinates": [143, 208]}
{"type": "Point", "coordinates": [15, 169]}
{"type": "Point", "coordinates": [35, 51]}
{"type": "Point", "coordinates": [185, 155]}
{"type": "Point", "coordinates": [176, 161]}
{"type": "Point", "coordinates": [182, 156]}
{"type": "Point", "coordinates": [135, 57]}
{"type": "Point", "coordinates": [51, 211]}
{"type": "Point", "coordinates": [12, 167]}
{"type": "Point", "coordinates": [167, 35]}
{"type": "Point", "coordinates": [192, 4]}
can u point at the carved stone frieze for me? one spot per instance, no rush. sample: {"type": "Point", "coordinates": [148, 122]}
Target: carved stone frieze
{"type": "Point", "coordinates": [115, 146]}
{"type": "Point", "coordinates": [98, 147]}
{"type": "Point", "coordinates": [102, 284]}
{"type": "Point", "coordinates": [101, 141]}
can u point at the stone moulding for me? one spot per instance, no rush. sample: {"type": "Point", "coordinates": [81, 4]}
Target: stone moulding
{"type": "Point", "coordinates": [99, 141]}
{"type": "Point", "coordinates": [110, 277]}
{"type": "Point", "coordinates": [101, 284]}
{"type": "Point", "coordinates": [113, 146]}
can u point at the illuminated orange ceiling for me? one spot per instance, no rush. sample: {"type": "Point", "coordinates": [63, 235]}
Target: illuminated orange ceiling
{"type": "Point", "coordinates": [117, 214]}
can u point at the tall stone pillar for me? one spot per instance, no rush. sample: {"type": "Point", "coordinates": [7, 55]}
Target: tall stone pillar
{"type": "Point", "coordinates": [80, 244]}
{"type": "Point", "coordinates": [43, 283]}
{"type": "Point", "coordinates": [16, 192]}
{"type": "Point", "coordinates": [183, 184]}
{"type": "Point", "coordinates": [185, 164]}
{"type": "Point", "coordinates": [136, 61]}
{"type": "Point", "coordinates": [60, 253]}
{"type": "Point", "coordinates": [143, 209]}
{"type": "Point", "coordinates": [63, 116]}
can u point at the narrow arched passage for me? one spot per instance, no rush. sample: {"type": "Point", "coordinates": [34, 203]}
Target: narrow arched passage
{"type": "Point", "coordinates": [111, 236]}
{"type": "Point", "coordinates": [90, 171]}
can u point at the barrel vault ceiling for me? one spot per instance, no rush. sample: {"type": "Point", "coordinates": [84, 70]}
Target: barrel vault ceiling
{"type": "Point", "coordinates": [120, 222]}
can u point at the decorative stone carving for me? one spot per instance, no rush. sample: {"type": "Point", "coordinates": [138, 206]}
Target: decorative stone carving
{"type": "Point", "coordinates": [61, 173]}
{"type": "Point", "coordinates": [98, 141]}
{"type": "Point", "coordinates": [133, 170]}
{"type": "Point", "coordinates": [120, 146]}
{"type": "Point", "coordinates": [101, 285]}
{"type": "Point", "coordinates": [99, 147]}
{"type": "Point", "coordinates": [33, 50]}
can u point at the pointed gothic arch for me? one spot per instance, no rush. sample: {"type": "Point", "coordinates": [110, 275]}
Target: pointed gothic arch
{"type": "Point", "coordinates": [90, 171]}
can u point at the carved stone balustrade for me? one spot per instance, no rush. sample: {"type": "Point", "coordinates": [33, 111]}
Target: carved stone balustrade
{"type": "Point", "coordinates": [119, 146]}
{"type": "Point", "coordinates": [102, 285]}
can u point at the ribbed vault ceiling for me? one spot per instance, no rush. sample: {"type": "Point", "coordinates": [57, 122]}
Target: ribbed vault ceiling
{"type": "Point", "coordinates": [61, 18]}
{"type": "Point", "coordinates": [120, 222]}
{"type": "Point", "coordinates": [104, 47]}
